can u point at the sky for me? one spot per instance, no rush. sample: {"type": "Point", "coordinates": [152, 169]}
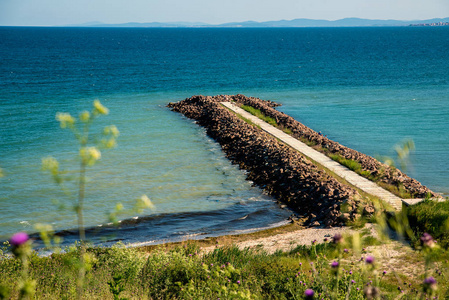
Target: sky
{"type": "Point", "coordinates": [67, 12]}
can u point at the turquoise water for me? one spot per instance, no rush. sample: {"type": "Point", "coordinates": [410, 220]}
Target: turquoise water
{"type": "Point", "coordinates": [367, 88]}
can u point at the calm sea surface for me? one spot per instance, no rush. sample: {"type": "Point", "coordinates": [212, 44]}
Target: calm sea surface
{"type": "Point", "coordinates": [367, 88]}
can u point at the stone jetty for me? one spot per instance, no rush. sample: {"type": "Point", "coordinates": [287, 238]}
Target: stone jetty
{"type": "Point", "coordinates": [283, 172]}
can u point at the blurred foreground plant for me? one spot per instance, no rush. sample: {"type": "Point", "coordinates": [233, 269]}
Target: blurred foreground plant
{"type": "Point", "coordinates": [89, 154]}
{"type": "Point", "coordinates": [403, 151]}
{"type": "Point", "coordinates": [89, 151]}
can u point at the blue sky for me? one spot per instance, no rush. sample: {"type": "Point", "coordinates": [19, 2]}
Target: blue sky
{"type": "Point", "coordinates": [62, 12]}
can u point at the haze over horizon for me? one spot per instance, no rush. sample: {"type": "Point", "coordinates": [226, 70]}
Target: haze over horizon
{"type": "Point", "coordinates": [65, 12]}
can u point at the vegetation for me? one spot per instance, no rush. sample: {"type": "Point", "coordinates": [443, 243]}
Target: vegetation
{"type": "Point", "coordinates": [350, 164]}
{"type": "Point", "coordinates": [339, 268]}
{"type": "Point", "coordinates": [256, 112]}
{"type": "Point", "coordinates": [430, 217]}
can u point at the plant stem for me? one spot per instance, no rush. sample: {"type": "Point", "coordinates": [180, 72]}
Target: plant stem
{"type": "Point", "coordinates": [81, 193]}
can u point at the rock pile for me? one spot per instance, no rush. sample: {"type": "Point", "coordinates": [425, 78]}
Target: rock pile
{"type": "Point", "coordinates": [279, 170]}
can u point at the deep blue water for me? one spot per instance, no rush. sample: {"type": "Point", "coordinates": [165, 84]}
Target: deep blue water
{"type": "Point", "coordinates": [367, 88]}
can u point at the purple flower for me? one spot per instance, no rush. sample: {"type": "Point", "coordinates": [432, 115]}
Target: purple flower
{"type": "Point", "coordinates": [353, 281]}
{"type": "Point", "coordinates": [430, 283]}
{"type": "Point", "coordinates": [369, 259]}
{"type": "Point", "coordinates": [337, 239]}
{"type": "Point", "coordinates": [427, 240]}
{"type": "Point", "coordinates": [309, 293]}
{"type": "Point", "coordinates": [346, 250]}
{"type": "Point", "coordinates": [238, 281]}
{"type": "Point", "coordinates": [18, 239]}
{"type": "Point", "coordinates": [335, 264]}
{"type": "Point", "coordinates": [384, 272]}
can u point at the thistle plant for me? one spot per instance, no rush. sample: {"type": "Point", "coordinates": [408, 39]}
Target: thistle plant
{"type": "Point", "coordinates": [21, 248]}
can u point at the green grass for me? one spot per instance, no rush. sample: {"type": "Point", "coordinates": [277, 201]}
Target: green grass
{"type": "Point", "coordinates": [431, 217]}
{"type": "Point", "coordinates": [226, 273]}
{"type": "Point", "coordinates": [256, 112]}
{"type": "Point", "coordinates": [355, 166]}
{"type": "Point", "coordinates": [397, 190]}
{"type": "Point", "coordinates": [349, 163]}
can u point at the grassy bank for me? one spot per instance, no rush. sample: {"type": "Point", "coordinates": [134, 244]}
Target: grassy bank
{"type": "Point", "coordinates": [348, 267]}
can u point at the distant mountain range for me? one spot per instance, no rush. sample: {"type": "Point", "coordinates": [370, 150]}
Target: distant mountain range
{"type": "Point", "coordinates": [347, 22]}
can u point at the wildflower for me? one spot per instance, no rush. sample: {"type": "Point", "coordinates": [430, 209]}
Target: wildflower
{"type": "Point", "coordinates": [238, 281]}
{"type": "Point", "coordinates": [65, 120]}
{"type": "Point", "coordinates": [352, 281]}
{"type": "Point", "coordinates": [337, 239]}
{"type": "Point", "coordinates": [335, 264]}
{"type": "Point", "coordinates": [143, 202]}
{"type": "Point", "coordinates": [18, 242]}
{"type": "Point", "coordinates": [50, 164]}
{"type": "Point", "coordinates": [369, 260]}
{"type": "Point", "coordinates": [99, 108]}
{"type": "Point", "coordinates": [346, 250]}
{"type": "Point", "coordinates": [90, 155]}
{"type": "Point", "coordinates": [427, 240]}
{"type": "Point", "coordinates": [313, 242]}
{"type": "Point", "coordinates": [309, 293]}
{"type": "Point", "coordinates": [18, 239]}
{"type": "Point", "coordinates": [84, 116]}
{"type": "Point", "coordinates": [384, 273]}
{"type": "Point", "coordinates": [429, 284]}
{"type": "Point", "coordinates": [111, 130]}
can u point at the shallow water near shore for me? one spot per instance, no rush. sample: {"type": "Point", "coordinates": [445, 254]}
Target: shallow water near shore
{"type": "Point", "coordinates": [367, 88]}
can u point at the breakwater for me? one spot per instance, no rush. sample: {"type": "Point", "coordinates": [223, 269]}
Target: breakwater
{"type": "Point", "coordinates": [281, 171]}
{"type": "Point", "coordinates": [382, 172]}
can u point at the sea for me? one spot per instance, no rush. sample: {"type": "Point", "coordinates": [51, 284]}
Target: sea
{"type": "Point", "coordinates": [367, 88]}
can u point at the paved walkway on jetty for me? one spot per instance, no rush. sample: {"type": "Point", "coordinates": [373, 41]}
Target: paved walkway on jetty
{"type": "Point", "coordinates": [343, 172]}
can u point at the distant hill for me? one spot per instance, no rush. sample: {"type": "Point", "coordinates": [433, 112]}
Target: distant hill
{"type": "Point", "coordinates": [347, 22]}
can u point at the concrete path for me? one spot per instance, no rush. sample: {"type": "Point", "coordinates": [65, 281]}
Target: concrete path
{"type": "Point", "coordinates": [350, 176]}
